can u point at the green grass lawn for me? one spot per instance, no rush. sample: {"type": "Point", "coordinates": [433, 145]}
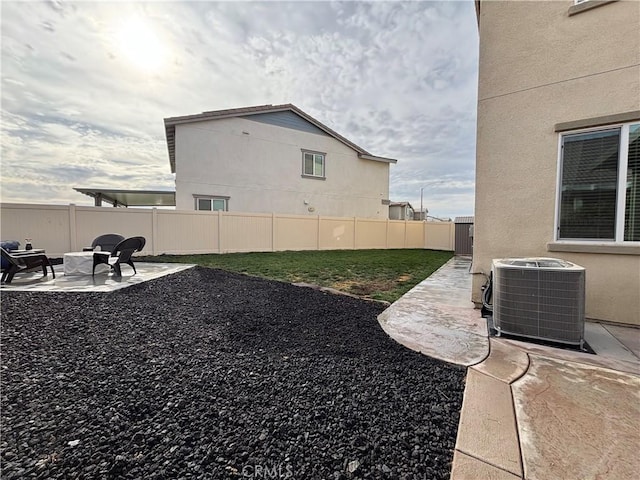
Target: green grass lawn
{"type": "Point", "coordinates": [378, 274]}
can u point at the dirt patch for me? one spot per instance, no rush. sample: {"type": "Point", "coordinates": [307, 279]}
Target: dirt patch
{"type": "Point", "coordinates": [364, 288]}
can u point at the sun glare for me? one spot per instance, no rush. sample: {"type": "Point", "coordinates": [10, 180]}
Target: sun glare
{"type": "Point", "coordinates": [138, 41]}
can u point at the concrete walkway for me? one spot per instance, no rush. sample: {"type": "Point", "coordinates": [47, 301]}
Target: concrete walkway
{"type": "Point", "coordinates": [529, 411]}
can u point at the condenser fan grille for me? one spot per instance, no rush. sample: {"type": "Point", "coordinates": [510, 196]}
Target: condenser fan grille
{"type": "Point", "coordinates": [538, 299]}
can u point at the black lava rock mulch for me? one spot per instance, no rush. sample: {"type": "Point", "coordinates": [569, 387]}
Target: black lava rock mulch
{"type": "Point", "coordinates": [208, 374]}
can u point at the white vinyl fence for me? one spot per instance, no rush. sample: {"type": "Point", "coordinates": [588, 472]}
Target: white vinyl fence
{"type": "Point", "coordinates": [68, 228]}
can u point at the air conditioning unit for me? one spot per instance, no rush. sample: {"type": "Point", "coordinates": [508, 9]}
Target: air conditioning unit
{"type": "Point", "coordinates": [540, 298]}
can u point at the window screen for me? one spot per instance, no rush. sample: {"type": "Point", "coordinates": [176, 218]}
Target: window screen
{"type": "Point", "coordinates": [632, 201]}
{"type": "Point", "coordinates": [204, 204]}
{"type": "Point", "coordinates": [313, 164]}
{"type": "Point", "coordinates": [209, 203]}
{"type": "Point", "coordinates": [588, 185]}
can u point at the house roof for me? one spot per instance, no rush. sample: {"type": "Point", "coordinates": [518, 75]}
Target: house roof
{"type": "Point", "coordinates": [400, 204]}
{"type": "Point", "coordinates": [171, 122]}
{"type": "Point", "coordinates": [463, 220]}
{"type": "Point", "coordinates": [131, 198]}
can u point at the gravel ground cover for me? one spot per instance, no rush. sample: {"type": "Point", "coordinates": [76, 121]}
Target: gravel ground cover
{"type": "Point", "coordinates": [210, 374]}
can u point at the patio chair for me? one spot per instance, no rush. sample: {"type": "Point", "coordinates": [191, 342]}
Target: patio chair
{"type": "Point", "coordinates": [24, 263]}
{"type": "Point", "coordinates": [144, 242]}
{"type": "Point", "coordinates": [8, 245]}
{"type": "Point", "coordinates": [106, 242]}
{"type": "Point", "coordinates": [122, 253]}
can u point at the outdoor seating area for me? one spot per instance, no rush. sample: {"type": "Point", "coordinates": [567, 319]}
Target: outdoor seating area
{"type": "Point", "coordinates": [107, 254]}
{"type": "Point", "coordinates": [103, 282]}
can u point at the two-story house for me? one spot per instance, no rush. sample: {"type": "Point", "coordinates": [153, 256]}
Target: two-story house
{"type": "Point", "coordinates": [558, 149]}
{"type": "Point", "coordinates": [273, 158]}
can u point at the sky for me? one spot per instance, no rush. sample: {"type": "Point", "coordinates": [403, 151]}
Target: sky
{"type": "Point", "coordinates": [86, 85]}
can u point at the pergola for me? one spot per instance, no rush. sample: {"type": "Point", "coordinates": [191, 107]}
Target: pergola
{"type": "Point", "coordinates": [131, 198]}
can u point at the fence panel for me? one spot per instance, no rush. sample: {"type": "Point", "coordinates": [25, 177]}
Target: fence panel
{"type": "Point", "coordinates": [439, 235]}
{"type": "Point", "coordinates": [91, 222]}
{"type": "Point", "coordinates": [415, 235]}
{"type": "Point", "coordinates": [186, 232]}
{"type": "Point", "coordinates": [294, 232]}
{"type": "Point", "coordinates": [396, 233]}
{"type": "Point", "coordinates": [48, 226]}
{"type": "Point", "coordinates": [336, 233]}
{"type": "Point", "coordinates": [246, 232]}
{"type": "Point", "coordinates": [371, 233]}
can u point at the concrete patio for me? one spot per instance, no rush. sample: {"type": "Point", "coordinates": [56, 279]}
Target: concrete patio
{"type": "Point", "coordinates": [529, 411]}
{"type": "Point", "coordinates": [100, 282]}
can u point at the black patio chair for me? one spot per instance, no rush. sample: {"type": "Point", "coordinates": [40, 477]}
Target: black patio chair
{"type": "Point", "coordinates": [144, 242]}
{"type": "Point", "coordinates": [106, 242]}
{"type": "Point", "coordinates": [24, 263]}
{"type": "Point", "coordinates": [122, 253]}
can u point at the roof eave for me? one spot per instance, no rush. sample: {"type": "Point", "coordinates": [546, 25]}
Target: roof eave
{"type": "Point", "coordinates": [228, 113]}
{"type": "Point", "coordinates": [377, 159]}
{"type": "Point", "coordinates": [170, 133]}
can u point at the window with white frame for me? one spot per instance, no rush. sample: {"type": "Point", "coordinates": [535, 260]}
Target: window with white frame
{"type": "Point", "coordinates": [599, 194]}
{"type": "Point", "coordinates": [212, 203]}
{"type": "Point", "coordinates": [313, 164]}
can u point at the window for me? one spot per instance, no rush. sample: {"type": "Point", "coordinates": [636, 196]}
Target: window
{"type": "Point", "coordinates": [313, 164]}
{"type": "Point", "coordinates": [580, 6]}
{"type": "Point", "coordinates": [212, 203]}
{"type": "Point", "coordinates": [599, 197]}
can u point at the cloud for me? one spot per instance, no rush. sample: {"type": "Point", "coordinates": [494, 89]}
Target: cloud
{"type": "Point", "coordinates": [397, 78]}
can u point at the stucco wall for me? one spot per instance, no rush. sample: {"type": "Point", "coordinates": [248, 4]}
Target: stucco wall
{"type": "Point", "coordinates": [259, 166]}
{"type": "Point", "coordinates": [540, 67]}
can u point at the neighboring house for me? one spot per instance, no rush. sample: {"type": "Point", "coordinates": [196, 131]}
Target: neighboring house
{"type": "Point", "coordinates": [273, 159]}
{"type": "Point", "coordinates": [558, 155]}
{"type": "Point", "coordinates": [401, 211]}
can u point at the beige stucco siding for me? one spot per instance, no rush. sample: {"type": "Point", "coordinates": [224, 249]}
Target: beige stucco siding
{"type": "Point", "coordinates": [540, 67]}
{"type": "Point", "coordinates": [259, 167]}
{"type": "Point", "coordinates": [527, 44]}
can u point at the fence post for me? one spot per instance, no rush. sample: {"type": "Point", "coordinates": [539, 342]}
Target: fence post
{"type": "Point", "coordinates": [154, 231]}
{"type": "Point", "coordinates": [386, 235]}
{"type": "Point", "coordinates": [73, 241]}
{"type": "Point", "coordinates": [424, 234]}
{"type": "Point", "coordinates": [452, 231]}
{"type": "Point", "coordinates": [273, 231]}
{"type": "Point", "coordinates": [404, 245]}
{"type": "Point", "coordinates": [355, 233]}
{"type": "Point", "coordinates": [219, 231]}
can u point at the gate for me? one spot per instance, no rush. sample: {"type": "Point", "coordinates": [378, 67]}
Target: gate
{"type": "Point", "coordinates": [464, 235]}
